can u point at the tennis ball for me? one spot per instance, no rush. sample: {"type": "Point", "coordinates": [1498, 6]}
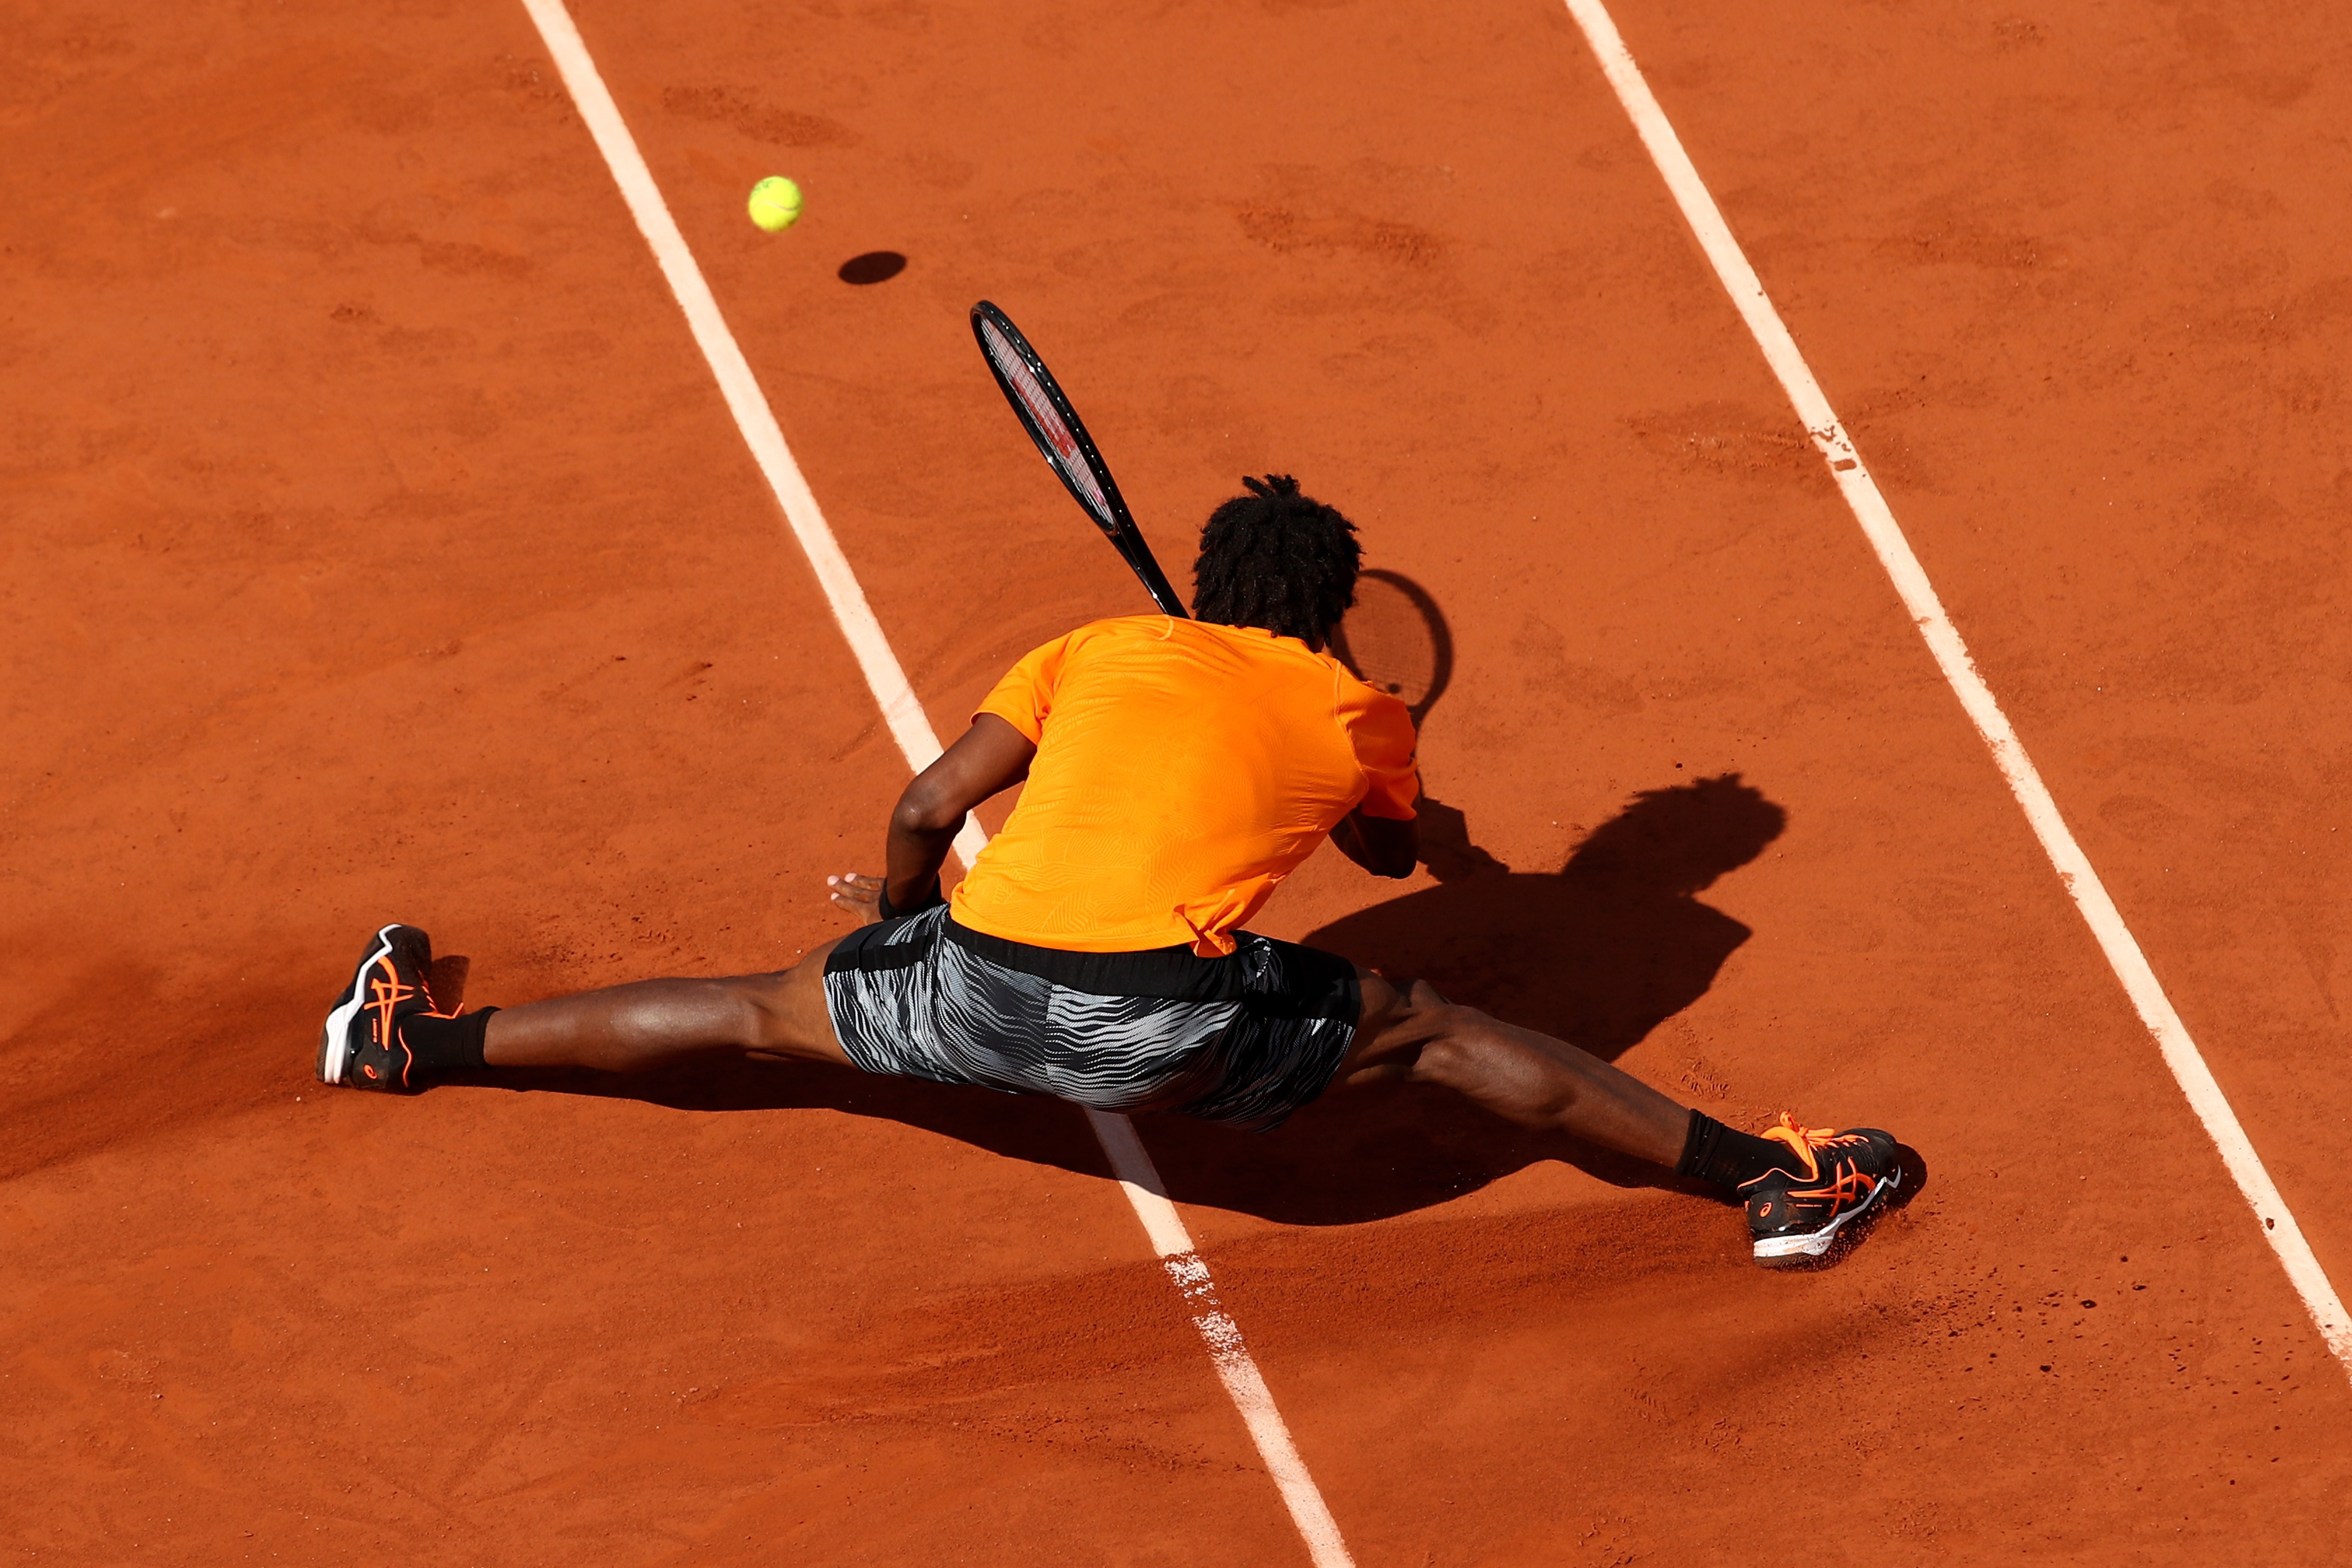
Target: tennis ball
{"type": "Point", "coordinates": [775, 204]}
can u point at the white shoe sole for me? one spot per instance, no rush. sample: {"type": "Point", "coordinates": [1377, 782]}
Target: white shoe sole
{"type": "Point", "coordinates": [334, 1040]}
{"type": "Point", "coordinates": [1817, 1243]}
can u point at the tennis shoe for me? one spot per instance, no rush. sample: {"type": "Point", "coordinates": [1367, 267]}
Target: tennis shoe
{"type": "Point", "coordinates": [1795, 1213]}
{"type": "Point", "coordinates": [361, 1044]}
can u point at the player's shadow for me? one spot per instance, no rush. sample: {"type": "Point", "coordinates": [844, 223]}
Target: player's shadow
{"type": "Point", "coordinates": [1599, 953]}
{"type": "Point", "coordinates": [1596, 953]}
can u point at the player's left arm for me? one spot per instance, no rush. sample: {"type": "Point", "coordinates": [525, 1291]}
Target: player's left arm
{"type": "Point", "coordinates": [1385, 845]}
{"type": "Point", "coordinates": [991, 756]}
{"type": "Point", "coordinates": [1380, 834]}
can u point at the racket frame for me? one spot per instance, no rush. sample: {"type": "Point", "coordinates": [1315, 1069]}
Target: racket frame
{"type": "Point", "coordinates": [1119, 528]}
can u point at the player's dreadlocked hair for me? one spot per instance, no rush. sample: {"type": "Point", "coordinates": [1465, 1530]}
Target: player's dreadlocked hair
{"type": "Point", "coordinates": [1277, 559]}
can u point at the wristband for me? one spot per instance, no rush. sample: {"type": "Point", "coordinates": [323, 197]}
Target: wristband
{"type": "Point", "coordinates": [890, 912]}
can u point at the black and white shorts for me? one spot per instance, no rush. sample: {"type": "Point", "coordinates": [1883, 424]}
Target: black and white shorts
{"type": "Point", "coordinates": [1244, 1039]}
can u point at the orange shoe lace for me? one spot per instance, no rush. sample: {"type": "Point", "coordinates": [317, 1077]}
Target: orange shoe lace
{"type": "Point", "coordinates": [1804, 1140]}
{"type": "Point", "coordinates": [1848, 1183]}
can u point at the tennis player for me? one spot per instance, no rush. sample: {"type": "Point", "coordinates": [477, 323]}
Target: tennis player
{"type": "Point", "coordinates": [1176, 771]}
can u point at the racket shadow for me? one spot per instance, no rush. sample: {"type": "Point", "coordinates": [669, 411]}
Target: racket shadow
{"type": "Point", "coordinates": [1395, 639]}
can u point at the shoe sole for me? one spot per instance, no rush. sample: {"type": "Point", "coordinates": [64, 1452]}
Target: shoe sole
{"type": "Point", "coordinates": [1773, 1248]}
{"type": "Point", "coordinates": [334, 1039]}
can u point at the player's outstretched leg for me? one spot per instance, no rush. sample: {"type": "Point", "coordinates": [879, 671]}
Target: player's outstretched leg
{"type": "Point", "coordinates": [1802, 1187]}
{"type": "Point", "coordinates": [384, 1032]}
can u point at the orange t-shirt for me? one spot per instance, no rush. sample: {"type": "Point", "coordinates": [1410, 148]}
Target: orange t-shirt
{"type": "Point", "coordinates": [1183, 770]}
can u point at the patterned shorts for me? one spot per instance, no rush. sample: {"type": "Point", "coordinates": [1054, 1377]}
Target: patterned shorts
{"type": "Point", "coordinates": [1244, 1039]}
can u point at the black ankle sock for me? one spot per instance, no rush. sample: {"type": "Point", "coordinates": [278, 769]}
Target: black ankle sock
{"type": "Point", "coordinates": [446, 1045]}
{"type": "Point", "coordinates": [1716, 1154]}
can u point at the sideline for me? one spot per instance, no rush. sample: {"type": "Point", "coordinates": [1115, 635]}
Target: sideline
{"type": "Point", "coordinates": [1927, 611]}
{"type": "Point", "coordinates": [1138, 1178]}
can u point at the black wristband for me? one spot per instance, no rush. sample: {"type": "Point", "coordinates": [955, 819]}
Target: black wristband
{"type": "Point", "coordinates": [890, 912]}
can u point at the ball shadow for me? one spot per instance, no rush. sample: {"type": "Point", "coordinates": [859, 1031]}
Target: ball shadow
{"type": "Point", "coordinates": [873, 267]}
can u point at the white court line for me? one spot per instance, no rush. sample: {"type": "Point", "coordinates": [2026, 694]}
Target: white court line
{"type": "Point", "coordinates": [1877, 519]}
{"type": "Point", "coordinates": [900, 710]}
{"type": "Point", "coordinates": [1138, 1178]}
{"type": "Point", "coordinates": [1131, 1162]}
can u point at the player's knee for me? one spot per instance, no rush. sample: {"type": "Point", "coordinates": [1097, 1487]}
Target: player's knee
{"type": "Point", "coordinates": [1459, 1062]}
{"type": "Point", "coordinates": [1440, 1021]}
{"type": "Point", "coordinates": [1400, 1004]}
{"type": "Point", "coordinates": [764, 1017]}
{"type": "Point", "coordinates": [786, 1014]}
{"type": "Point", "coordinates": [1422, 997]}
{"type": "Point", "coordinates": [1392, 1029]}
{"type": "Point", "coordinates": [1457, 1049]}
{"type": "Point", "coordinates": [1495, 1071]}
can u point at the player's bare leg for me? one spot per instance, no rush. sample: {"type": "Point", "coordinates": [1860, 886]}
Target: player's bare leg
{"type": "Point", "coordinates": [1802, 1187]}
{"type": "Point", "coordinates": [385, 1032]}
{"type": "Point", "coordinates": [1413, 1034]}
{"type": "Point", "coordinates": [655, 1023]}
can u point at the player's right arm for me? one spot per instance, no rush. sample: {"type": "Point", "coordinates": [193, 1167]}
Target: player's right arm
{"type": "Point", "coordinates": [991, 756]}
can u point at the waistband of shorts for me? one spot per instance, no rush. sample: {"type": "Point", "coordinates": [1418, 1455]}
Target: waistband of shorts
{"type": "Point", "coordinates": [1171, 974]}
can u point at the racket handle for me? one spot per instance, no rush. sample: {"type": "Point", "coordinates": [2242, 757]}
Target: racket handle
{"type": "Point", "coordinates": [1146, 567]}
{"type": "Point", "coordinates": [1155, 582]}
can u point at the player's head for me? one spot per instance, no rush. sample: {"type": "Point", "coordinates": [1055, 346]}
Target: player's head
{"type": "Point", "coordinates": [1277, 559]}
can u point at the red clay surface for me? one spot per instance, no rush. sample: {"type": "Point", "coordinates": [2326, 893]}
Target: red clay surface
{"type": "Point", "coordinates": [379, 547]}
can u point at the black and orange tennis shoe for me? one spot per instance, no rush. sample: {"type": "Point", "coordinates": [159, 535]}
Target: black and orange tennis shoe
{"type": "Point", "coordinates": [361, 1045]}
{"type": "Point", "coordinates": [1832, 1180]}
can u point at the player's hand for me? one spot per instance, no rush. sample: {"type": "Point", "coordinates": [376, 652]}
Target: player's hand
{"type": "Point", "coordinates": [860, 895]}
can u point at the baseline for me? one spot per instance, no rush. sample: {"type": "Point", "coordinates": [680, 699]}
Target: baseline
{"type": "Point", "coordinates": [1138, 1178]}
{"type": "Point", "coordinates": [1951, 655]}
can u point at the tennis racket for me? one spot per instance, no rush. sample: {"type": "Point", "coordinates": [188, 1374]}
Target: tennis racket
{"type": "Point", "coordinates": [1046, 412]}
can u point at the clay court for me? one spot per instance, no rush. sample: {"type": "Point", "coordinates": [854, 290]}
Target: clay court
{"type": "Point", "coordinates": [380, 546]}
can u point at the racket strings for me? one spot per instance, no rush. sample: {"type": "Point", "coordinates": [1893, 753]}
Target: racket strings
{"type": "Point", "coordinates": [1065, 453]}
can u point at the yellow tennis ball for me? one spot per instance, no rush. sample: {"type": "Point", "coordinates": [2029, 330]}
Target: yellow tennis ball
{"type": "Point", "coordinates": [775, 204]}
